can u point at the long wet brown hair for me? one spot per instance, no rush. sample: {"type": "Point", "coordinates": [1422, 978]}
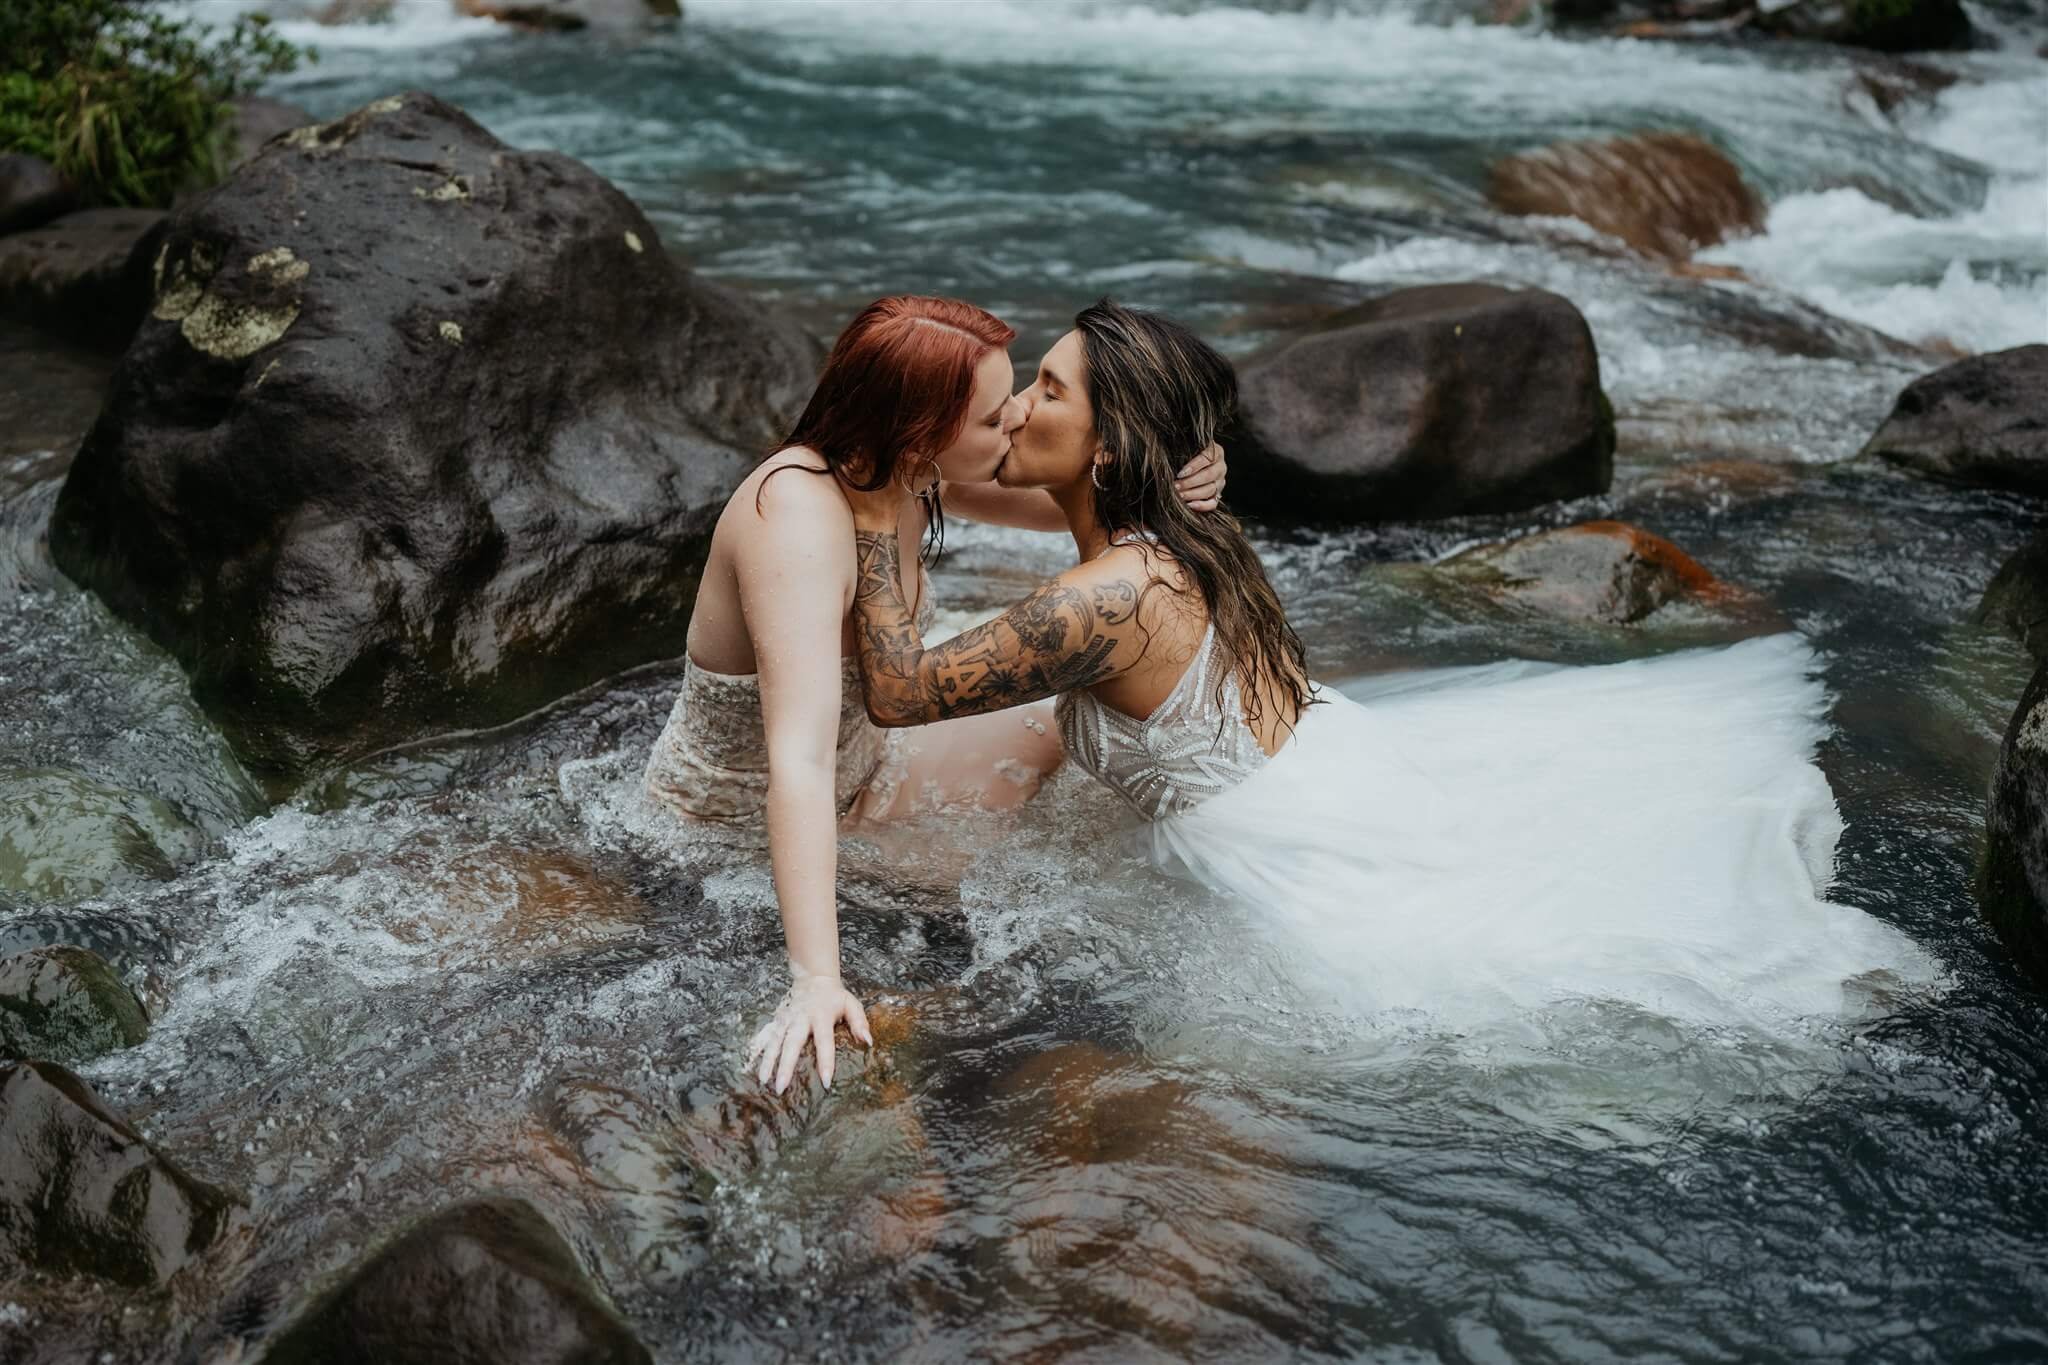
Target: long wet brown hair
{"type": "Point", "coordinates": [1160, 395]}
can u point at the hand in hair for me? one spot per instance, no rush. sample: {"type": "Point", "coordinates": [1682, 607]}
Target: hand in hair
{"type": "Point", "coordinates": [1200, 482]}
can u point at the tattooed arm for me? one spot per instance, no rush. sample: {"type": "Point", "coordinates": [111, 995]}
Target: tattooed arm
{"type": "Point", "coordinates": [1075, 631]}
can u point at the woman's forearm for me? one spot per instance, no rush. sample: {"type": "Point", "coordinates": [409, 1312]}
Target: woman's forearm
{"type": "Point", "coordinates": [1058, 638]}
{"type": "Point", "coordinates": [1028, 509]}
{"type": "Point", "coordinates": [803, 850]}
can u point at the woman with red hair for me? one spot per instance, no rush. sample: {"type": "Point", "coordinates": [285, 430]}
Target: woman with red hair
{"type": "Point", "coordinates": [770, 727]}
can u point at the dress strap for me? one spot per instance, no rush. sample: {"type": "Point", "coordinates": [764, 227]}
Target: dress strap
{"type": "Point", "coordinates": [1119, 539]}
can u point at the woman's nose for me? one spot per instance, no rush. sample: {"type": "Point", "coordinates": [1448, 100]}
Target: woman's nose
{"type": "Point", "coordinates": [1022, 412]}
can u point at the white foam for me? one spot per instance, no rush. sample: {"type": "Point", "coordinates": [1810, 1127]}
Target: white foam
{"type": "Point", "coordinates": [1977, 278]}
{"type": "Point", "coordinates": [408, 24]}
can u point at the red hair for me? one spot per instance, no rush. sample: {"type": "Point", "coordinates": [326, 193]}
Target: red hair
{"type": "Point", "coordinates": [897, 383]}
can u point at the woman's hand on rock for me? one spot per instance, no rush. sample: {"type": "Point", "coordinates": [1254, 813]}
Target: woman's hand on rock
{"type": "Point", "coordinates": [810, 1011]}
{"type": "Point", "coordinates": [1200, 482]}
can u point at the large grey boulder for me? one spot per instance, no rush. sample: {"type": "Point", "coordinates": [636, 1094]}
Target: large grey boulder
{"type": "Point", "coordinates": [1981, 422]}
{"type": "Point", "coordinates": [1428, 402]}
{"type": "Point", "coordinates": [421, 433]}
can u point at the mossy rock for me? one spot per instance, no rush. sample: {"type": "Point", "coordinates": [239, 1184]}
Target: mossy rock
{"type": "Point", "coordinates": [65, 1004]}
{"type": "Point", "coordinates": [65, 837]}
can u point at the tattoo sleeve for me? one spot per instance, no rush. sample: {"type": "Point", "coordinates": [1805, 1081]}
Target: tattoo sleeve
{"type": "Point", "coordinates": [1058, 638]}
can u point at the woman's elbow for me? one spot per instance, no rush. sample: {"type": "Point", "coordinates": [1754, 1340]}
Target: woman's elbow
{"type": "Point", "coordinates": [890, 714]}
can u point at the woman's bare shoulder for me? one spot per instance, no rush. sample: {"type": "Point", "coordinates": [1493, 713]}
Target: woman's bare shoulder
{"type": "Point", "coordinates": [790, 492]}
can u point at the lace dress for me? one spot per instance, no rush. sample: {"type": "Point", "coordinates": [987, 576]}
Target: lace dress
{"type": "Point", "coordinates": [711, 759]}
{"type": "Point", "coordinates": [1467, 844]}
{"type": "Point", "coordinates": [1193, 746]}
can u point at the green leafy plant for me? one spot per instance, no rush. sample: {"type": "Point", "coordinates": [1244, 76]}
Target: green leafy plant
{"type": "Point", "coordinates": [128, 103]}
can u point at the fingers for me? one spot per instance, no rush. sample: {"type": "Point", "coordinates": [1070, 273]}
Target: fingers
{"type": "Point", "coordinates": [762, 1055]}
{"type": "Point", "coordinates": [821, 1039]}
{"type": "Point", "coordinates": [857, 1020]}
{"type": "Point", "coordinates": [1200, 484]}
{"type": "Point", "coordinates": [792, 1052]}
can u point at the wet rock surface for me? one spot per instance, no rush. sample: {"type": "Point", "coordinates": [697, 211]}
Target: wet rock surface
{"type": "Point", "coordinates": [488, 1282]}
{"type": "Point", "coordinates": [31, 192]}
{"type": "Point", "coordinates": [422, 433]}
{"type": "Point", "coordinates": [1665, 194]}
{"type": "Point", "coordinates": [1427, 402]}
{"type": "Point", "coordinates": [53, 393]}
{"type": "Point", "coordinates": [2016, 601]}
{"type": "Point", "coordinates": [258, 119]}
{"type": "Point", "coordinates": [65, 836]}
{"type": "Point", "coordinates": [1884, 25]}
{"type": "Point", "coordinates": [83, 277]}
{"type": "Point", "coordinates": [569, 16]}
{"type": "Point", "coordinates": [1981, 422]}
{"type": "Point", "coordinates": [1603, 571]}
{"type": "Point", "coordinates": [65, 1004]}
{"type": "Point", "coordinates": [2012, 881]}
{"type": "Point", "coordinates": [82, 1193]}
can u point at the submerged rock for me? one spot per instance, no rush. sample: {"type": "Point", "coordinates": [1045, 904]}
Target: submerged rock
{"type": "Point", "coordinates": [1429, 402]}
{"type": "Point", "coordinates": [1605, 571]}
{"type": "Point", "coordinates": [2012, 883]}
{"type": "Point", "coordinates": [31, 192]}
{"type": "Point", "coordinates": [422, 433]}
{"type": "Point", "coordinates": [1665, 194]}
{"type": "Point", "coordinates": [83, 277]}
{"type": "Point", "coordinates": [2017, 599]}
{"type": "Point", "coordinates": [488, 1282]}
{"type": "Point", "coordinates": [1981, 422]}
{"type": "Point", "coordinates": [1886, 25]}
{"type": "Point", "coordinates": [65, 1004]}
{"type": "Point", "coordinates": [65, 837]}
{"type": "Point", "coordinates": [82, 1193]}
{"type": "Point", "coordinates": [567, 16]}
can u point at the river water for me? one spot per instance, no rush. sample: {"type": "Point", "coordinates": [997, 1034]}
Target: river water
{"type": "Point", "coordinates": [1115, 1129]}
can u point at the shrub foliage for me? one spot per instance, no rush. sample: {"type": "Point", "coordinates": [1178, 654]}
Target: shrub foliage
{"type": "Point", "coordinates": [129, 103]}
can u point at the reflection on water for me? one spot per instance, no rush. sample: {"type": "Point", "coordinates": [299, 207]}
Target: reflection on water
{"type": "Point", "coordinates": [1107, 1123]}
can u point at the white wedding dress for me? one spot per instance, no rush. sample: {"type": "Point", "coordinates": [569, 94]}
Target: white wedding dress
{"type": "Point", "coordinates": [1462, 843]}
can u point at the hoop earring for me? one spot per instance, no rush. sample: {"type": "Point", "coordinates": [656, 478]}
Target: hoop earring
{"type": "Point", "coordinates": [1095, 477]}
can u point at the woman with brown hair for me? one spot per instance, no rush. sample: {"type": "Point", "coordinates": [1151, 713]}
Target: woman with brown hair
{"type": "Point", "coordinates": [1652, 832]}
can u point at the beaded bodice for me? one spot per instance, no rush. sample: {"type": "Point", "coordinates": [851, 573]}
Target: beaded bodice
{"type": "Point", "coordinates": [1195, 745]}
